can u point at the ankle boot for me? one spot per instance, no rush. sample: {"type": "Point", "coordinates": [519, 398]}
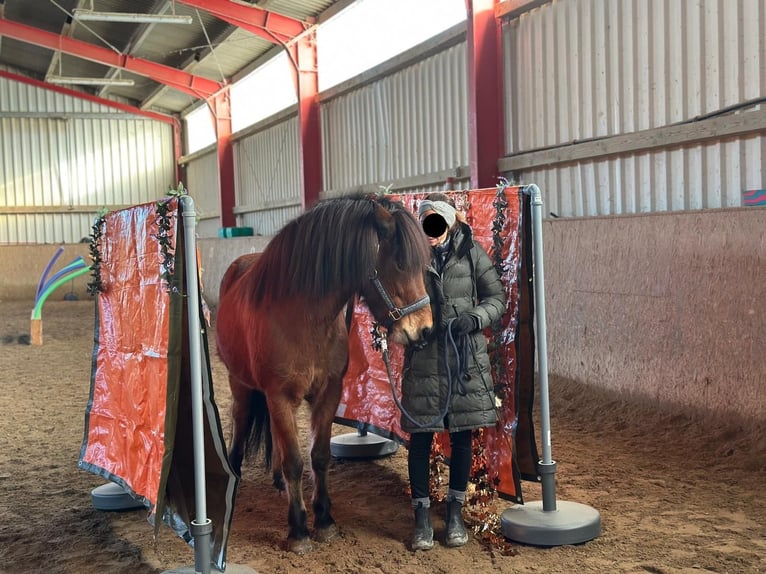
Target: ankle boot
{"type": "Point", "coordinates": [456, 532]}
{"type": "Point", "coordinates": [423, 538]}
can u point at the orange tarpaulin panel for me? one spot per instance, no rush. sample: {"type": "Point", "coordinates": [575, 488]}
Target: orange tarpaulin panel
{"type": "Point", "coordinates": [367, 402]}
{"type": "Point", "coordinates": [138, 427]}
{"type": "Point", "coordinates": [128, 405]}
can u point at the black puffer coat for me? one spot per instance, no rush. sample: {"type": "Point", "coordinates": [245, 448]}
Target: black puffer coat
{"type": "Point", "coordinates": [468, 283]}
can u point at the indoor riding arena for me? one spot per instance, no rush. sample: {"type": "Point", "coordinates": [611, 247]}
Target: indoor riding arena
{"type": "Point", "coordinates": [612, 167]}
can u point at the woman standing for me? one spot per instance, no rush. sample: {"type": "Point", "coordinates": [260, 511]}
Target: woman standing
{"type": "Point", "coordinates": [448, 383]}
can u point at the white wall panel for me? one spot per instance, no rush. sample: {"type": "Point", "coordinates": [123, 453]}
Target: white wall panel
{"type": "Point", "coordinates": [267, 167]}
{"type": "Point", "coordinates": [696, 177]}
{"type": "Point", "coordinates": [578, 70]}
{"type": "Point", "coordinates": [410, 123]}
{"type": "Point", "coordinates": [203, 184]}
{"type": "Point", "coordinates": [62, 159]}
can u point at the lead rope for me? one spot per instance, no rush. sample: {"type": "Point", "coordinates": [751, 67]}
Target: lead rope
{"type": "Point", "coordinates": [380, 343]}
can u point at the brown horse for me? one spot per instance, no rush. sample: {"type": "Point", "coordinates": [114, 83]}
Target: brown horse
{"type": "Point", "coordinates": [282, 333]}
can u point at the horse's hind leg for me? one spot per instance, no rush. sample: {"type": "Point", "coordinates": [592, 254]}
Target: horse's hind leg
{"type": "Point", "coordinates": [243, 418]}
{"type": "Point", "coordinates": [285, 434]}
{"type": "Point", "coordinates": [322, 413]}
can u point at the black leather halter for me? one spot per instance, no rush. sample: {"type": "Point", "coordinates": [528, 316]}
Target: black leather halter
{"type": "Point", "coordinates": [395, 313]}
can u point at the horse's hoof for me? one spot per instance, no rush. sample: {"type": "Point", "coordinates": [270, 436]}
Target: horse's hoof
{"type": "Point", "coordinates": [300, 547]}
{"type": "Point", "coordinates": [326, 533]}
{"type": "Point", "coordinates": [278, 481]}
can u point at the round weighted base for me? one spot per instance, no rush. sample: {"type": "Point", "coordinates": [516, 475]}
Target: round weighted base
{"type": "Point", "coordinates": [355, 445]}
{"type": "Point", "coordinates": [570, 523]}
{"type": "Point", "coordinates": [111, 496]}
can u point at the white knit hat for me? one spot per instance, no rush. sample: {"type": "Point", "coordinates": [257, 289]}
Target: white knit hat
{"type": "Point", "coordinates": [441, 207]}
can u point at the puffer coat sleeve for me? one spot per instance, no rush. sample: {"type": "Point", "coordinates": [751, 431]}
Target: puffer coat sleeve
{"type": "Point", "coordinates": [431, 385]}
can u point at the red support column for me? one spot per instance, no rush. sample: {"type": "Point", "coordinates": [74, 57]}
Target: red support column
{"type": "Point", "coordinates": [485, 92]}
{"type": "Point", "coordinates": [177, 152]}
{"type": "Point", "coordinates": [304, 56]}
{"type": "Point", "coordinates": [221, 106]}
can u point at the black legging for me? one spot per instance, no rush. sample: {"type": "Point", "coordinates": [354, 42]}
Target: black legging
{"type": "Point", "coordinates": [419, 459]}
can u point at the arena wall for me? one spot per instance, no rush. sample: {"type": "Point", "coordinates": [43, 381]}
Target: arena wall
{"type": "Point", "coordinates": [217, 255]}
{"type": "Point", "coordinates": [664, 306]}
{"type": "Point", "coordinates": [667, 307]}
{"type": "Point", "coordinates": [21, 267]}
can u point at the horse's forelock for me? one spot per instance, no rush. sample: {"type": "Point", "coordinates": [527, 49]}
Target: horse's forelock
{"type": "Point", "coordinates": [413, 251]}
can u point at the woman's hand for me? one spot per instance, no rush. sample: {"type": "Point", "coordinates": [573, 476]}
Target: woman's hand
{"type": "Point", "coordinates": [464, 324]}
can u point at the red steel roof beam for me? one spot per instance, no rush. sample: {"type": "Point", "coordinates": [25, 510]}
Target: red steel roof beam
{"type": "Point", "coordinates": [88, 97]}
{"type": "Point", "coordinates": [195, 86]}
{"type": "Point", "coordinates": [485, 92]}
{"type": "Point", "coordinates": [271, 26]}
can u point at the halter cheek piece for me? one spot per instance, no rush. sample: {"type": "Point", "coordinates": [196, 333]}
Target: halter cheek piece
{"type": "Point", "coordinates": [395, 313]}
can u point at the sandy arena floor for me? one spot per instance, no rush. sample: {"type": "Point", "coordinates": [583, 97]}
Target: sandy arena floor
{"type": "Point", "coordinates": [676, 493]}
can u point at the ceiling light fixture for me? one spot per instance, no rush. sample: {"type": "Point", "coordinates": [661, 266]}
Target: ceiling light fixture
{"type": "Point", "coordinates": [91, 16]}
{"type": "Point", "coordinates": [90, 81]}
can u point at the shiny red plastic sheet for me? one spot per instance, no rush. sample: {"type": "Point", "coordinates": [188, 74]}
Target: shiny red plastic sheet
{"type": "Point", "coordinates": [367, 402]}
{"type": "Point", "coordinates": [125, 434]}
{"type": "Point", "coordinates": [138, 425]}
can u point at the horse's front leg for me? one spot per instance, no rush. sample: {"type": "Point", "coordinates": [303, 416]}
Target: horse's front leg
{"type": "Point", "coordinates": [322, 413]}
{"type": "Point", "coordinates": [285, 434]}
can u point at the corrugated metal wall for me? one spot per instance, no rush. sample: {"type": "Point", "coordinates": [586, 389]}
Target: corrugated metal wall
{"type": "Point", "coordinates": [267, 168]}
{"type": "Point", "coordinates": [204, 186]}
{"type": "Point", "coordinates": [574, 71]}
{"type": "Point", "coordinates": [582, 69]}
{"type": "Point", "coordinates": [63, 158]}
{"type": "Point", "coordinates": [408, 126]}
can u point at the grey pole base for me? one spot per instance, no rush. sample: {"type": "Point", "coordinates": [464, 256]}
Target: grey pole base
{"type": "Point", "coordinates": [365, 445]}
{"type": "Point", "coordinates": [111, 496]}
{"type": "Point", "coordinates": [570, 523]}
{"type": "Point", "coordinates": [230, 569]}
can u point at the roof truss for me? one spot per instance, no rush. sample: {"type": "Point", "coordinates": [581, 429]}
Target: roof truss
{"type": "Point", "coordinates": [271, 26]}
{"type": "Point", "coordinates": [195, 86]}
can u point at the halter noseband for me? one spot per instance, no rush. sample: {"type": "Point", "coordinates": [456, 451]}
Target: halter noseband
{"type": "Point", "coordinates": [395, 313]}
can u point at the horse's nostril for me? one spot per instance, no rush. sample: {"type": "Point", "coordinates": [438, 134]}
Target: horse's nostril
{"type": "Point", "coordinates": [425, 333]}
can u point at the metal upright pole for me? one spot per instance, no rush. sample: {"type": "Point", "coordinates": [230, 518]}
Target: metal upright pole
{"type": "Point", "coordinates": [546, 523]}
{"type": "Point", "coordinates": [202, 526]}
{"type": "Point", "coordinates": [547, 466]}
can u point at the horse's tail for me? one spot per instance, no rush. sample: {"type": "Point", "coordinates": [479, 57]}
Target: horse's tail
{"type": "Point", "coordinates": [260, 432]}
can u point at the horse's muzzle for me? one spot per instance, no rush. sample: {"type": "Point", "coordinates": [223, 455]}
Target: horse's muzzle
{"type": "Point", "coordinates": [422, 342]}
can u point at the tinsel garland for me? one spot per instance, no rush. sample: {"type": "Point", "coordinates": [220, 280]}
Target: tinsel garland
{"type": "Point", "coordinates": [96, 286]}
{"type": "Point", "coordinates": [165, 239]}
{"type": "Point", "coordinates": [498, 227]}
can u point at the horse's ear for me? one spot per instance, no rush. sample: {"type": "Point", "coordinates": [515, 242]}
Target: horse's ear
{"type": "Point", "coordinates": [384, 222]}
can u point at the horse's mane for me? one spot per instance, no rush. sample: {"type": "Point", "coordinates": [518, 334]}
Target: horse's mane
{"type": "Point", "coordinates": [333, 247]}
